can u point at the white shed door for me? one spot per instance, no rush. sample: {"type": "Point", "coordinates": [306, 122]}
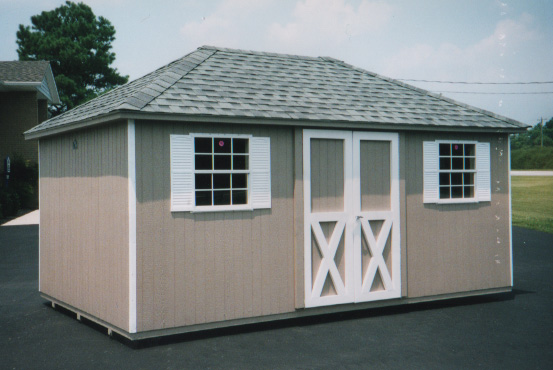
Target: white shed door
{"type": "Point", "coordinates": [351, 215]}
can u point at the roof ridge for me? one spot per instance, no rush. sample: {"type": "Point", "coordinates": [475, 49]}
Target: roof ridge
{"type": "Point", "coordinates": [260, 53]}
{"type": "Point", "coordinates": [151, 90]}
{"type": "Point", "coordinates": [428, 93]}
{"type": "Point", "coordinates": [24, 61]}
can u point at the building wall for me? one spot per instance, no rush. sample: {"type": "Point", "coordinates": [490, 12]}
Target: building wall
{"type": "Point", "coordinates": [195, 268]}
{"type": "Point", "coordinates": [84, 243]}
{"type": "Point", "coordinates": [456, 247]}
{"type": "Point", "coordinates": [445, 249]}
{"type": "Point", "coordinates": [19, 112]}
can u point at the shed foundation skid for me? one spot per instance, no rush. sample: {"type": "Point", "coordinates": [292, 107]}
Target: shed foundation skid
{"type": "Point", "coordinates": [298, 314]}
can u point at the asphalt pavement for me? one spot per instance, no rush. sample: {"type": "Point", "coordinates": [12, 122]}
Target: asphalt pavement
{"type": "Point", "coordinates": [507, 331]}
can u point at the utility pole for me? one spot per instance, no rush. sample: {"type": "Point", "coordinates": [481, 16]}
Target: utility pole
{"type": "Point", "coordinates": [541, 131]}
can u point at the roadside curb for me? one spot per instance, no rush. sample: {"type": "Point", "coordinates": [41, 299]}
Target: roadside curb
{"type": "Point", "coordinates": [531, 173]}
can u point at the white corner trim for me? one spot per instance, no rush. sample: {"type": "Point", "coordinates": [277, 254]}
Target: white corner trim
{"type": "Point", "coordinates": [39, 208]}
{"type": "Point", "coordinates": [510, 208]}
{"type": "Point", "coordinates": [131, 160]}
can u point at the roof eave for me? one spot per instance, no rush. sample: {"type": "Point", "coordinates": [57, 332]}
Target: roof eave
{"type": "Point", "coordinates": [51, 81]}
{"type": "Point", "coordinates": [35, 85]}
{"type": "Point", "coordinates": [20, 84]}
{"type": "Point", "coordinates": [72, 126]}
{"type": "Point", "coordinates": [353, 125]}
{"type": "Point", "coordinates": [331, 124]}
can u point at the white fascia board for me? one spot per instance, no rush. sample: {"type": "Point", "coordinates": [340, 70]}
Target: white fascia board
{"type": "Point", "coordinates": [53, 96]}
{"type": "Point", "coordinates": [510, 209]}
{"type": "Point", "coordinates": [131, 160]}
{"type": "Point", "coordinates": [52, 86]}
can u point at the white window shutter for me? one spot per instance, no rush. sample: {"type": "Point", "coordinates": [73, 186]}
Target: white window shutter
{"type": "Point", "coordinates": [182, 172]}
{"type": "Point", "coordinates": [483, 166]}
{"type": "Point", "coordinates": [260, 172]}
{"type": "Point", "coordinates": [431, 185]}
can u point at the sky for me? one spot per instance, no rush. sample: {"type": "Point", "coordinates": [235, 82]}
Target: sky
{"type": "Point", "coordinates": [434, 40]}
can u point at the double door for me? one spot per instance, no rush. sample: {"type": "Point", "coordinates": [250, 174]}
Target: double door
{"type": "Point", "coordinates": [351, 216]}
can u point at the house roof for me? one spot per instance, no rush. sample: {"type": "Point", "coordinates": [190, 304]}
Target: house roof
{"type": "Point", "coordinates": [246, 86]}
{"type": "Point", "coordinates": [23, 71]}
{"type": "Point", "coordinates": [29, 76]}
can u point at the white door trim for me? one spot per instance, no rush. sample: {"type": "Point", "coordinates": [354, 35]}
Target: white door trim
{"type": "Point", "coordinates": [345, 289]}
{"type": "Point", "coordinates": [390, 217]}
{"type": "Point", "coordinates": [351, 222]}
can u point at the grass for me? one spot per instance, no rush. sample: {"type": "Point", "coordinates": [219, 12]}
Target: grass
{"type": "Point", "coordinates": [533, 202]}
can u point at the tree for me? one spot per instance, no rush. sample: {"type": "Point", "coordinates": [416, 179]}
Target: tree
{"type": "Point", "coordinates": [534, 136]}
{"type": "Point", "coordinates": [527, 151]}
{"type": "Point", "coordinates": [77, 44]}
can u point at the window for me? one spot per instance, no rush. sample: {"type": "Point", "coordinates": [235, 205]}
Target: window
{"type": "Point", "coordinates": [457, 169]}
{"type": "Point", "coordinates": [220, 172]}
{"type": "Point", "coordinates": [456, 172]}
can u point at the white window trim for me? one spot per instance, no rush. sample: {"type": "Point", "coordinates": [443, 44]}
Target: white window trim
{"type": "Point", "coordinates": [251, 204]}
{"type": "Point", "coordinates": [225, 208]}
{"type": "Point", "coordinates": [477, 198]}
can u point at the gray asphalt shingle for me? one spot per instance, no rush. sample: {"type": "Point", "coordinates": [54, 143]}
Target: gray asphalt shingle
{"type": "Point", "coordinates": [23, 71]}
{"type": "Point", "coordinates": [222, 82]}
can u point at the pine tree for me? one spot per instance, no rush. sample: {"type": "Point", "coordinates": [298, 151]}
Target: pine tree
{"type": "Point", "coordinates": [77, 44]}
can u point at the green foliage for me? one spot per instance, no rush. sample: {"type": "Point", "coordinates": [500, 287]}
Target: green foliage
{"type": "Point", "coordinates": [77, 43]}
{"type": "Point", "coordinates": [22, 191]}
{"type": "Point", "coordinates": [533, 137]}
{"type": "Point", "coordinates": [532, 158]}
{"type": "Point", "coordinates": [24, 180]}
{"type": "Point", "coordinates": [9, 202]}
{"type": "Point", "coordinates": [527, 151]}
{"type": "Point", "coordinates": [23, 171]}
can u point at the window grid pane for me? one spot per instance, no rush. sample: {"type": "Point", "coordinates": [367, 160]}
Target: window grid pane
{"type": "Point", "coordinates": [221, 167]}
{"type": "Point", "coordinates": [457, 168]}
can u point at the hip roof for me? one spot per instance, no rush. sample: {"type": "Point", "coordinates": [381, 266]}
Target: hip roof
{"type": "Point", "coordinates": [232, 85]}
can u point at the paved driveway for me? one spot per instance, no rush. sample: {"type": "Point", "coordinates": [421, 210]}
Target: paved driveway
{"type": "Point", "coordinates": [502, 332]}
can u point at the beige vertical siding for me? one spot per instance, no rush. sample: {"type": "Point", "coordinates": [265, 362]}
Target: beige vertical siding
{"type": "Point", "coordinates": [195, 268]}
{"type": "Point", "coordinates": [327, 175]}
{"type": "Point", "coordinates": [84, 222]}
{"type": "Point", "coordinates": [375, 175]}
{"type": "Point", "coordinates": [456, 247]}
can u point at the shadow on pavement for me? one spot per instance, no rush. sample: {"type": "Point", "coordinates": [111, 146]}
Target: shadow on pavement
{"type": "Point", "coordinates": [318, 319]}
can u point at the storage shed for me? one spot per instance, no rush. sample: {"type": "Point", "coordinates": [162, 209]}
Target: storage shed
{"type": "Point", "coordinates": [233, 187]}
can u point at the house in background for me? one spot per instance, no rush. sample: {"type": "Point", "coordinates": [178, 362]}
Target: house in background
{"type": "Point", "coordinates": [26, 89]}
{"type": "Point", "coordinates": [233, 186]}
